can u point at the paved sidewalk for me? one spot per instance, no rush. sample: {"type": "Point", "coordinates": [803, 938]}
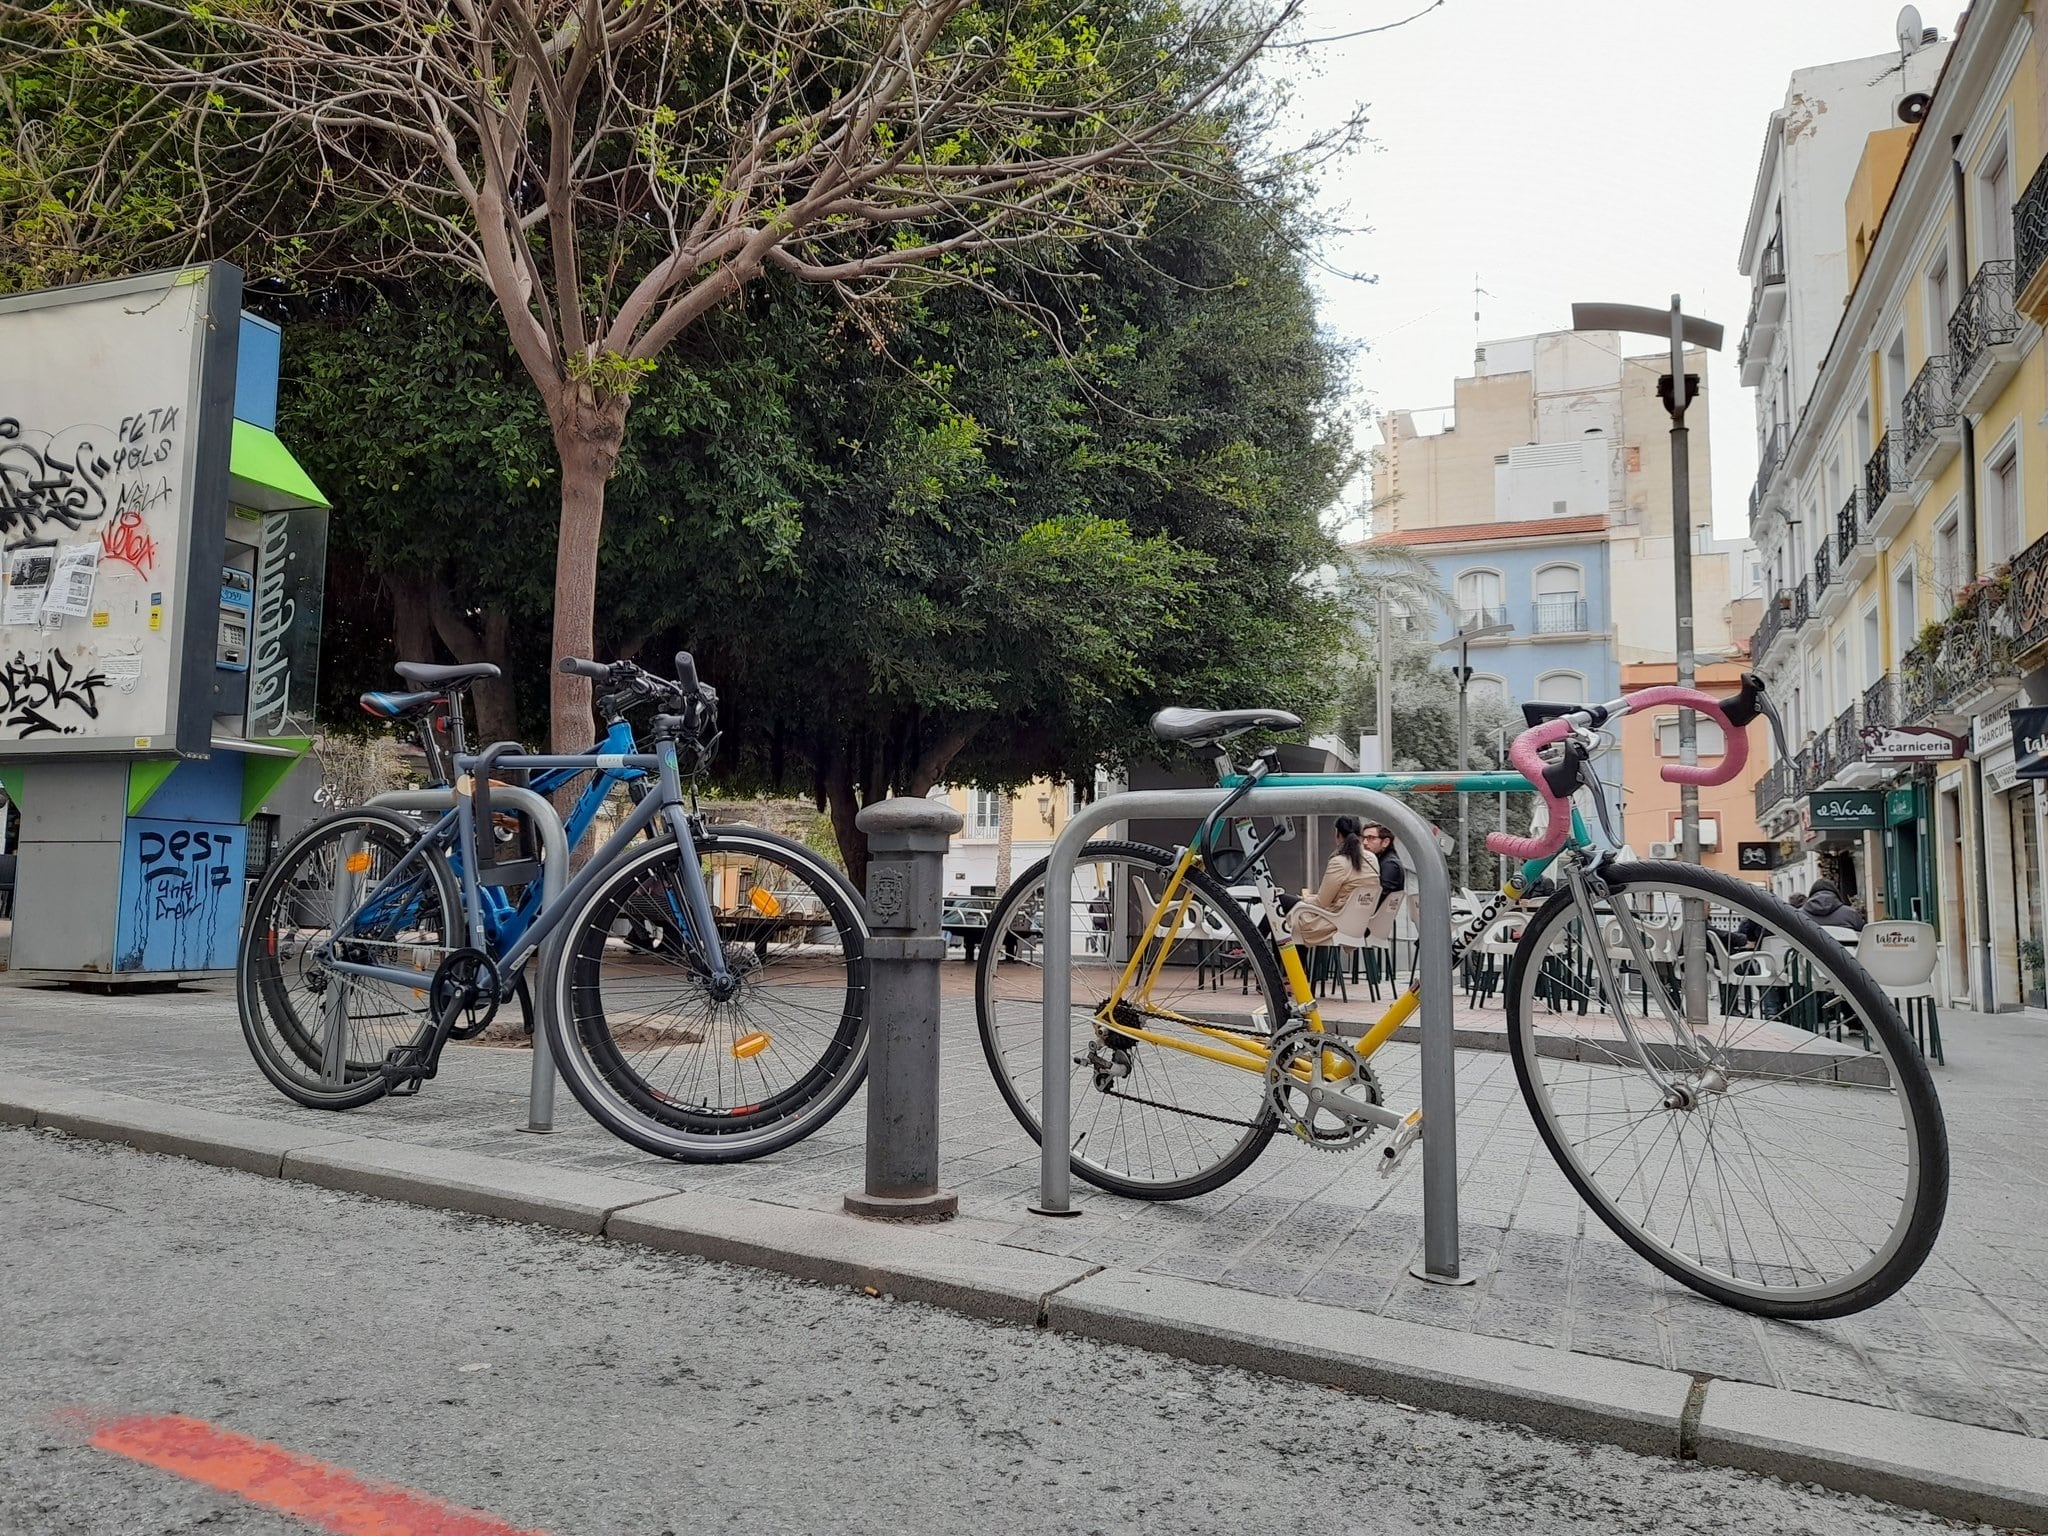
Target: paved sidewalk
{"type": "Point", "coordinates": [1967, 1341]}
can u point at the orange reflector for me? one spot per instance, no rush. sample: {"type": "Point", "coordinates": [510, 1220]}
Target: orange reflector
{"type": "Point", "coordinates": [764, 902]}
{"type": "Point", "coordinates": [358, 861]}
{"type": "Point", "coordinates": [750, 1045]}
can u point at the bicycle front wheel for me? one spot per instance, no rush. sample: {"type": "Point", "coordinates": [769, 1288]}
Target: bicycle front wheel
{"type": "Point", "coordinates": [655, 1056]}
{"type": "Point", "coordinates": [1773, 1141]}
{"type": "Point", "coordinates": [321, 1035]}
{"type": "Point", "coordinates": [1167, 1085]}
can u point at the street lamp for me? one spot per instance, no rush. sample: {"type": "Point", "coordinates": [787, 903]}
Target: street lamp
{"type": "Point", "coordinates": [1045, 806]}
{"type": "Point", "coordinates": [1676, 389]}
{"type": "Point", "coordinates": [1461, 642]}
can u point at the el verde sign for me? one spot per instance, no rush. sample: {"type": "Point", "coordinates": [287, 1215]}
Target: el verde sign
{"type": "Point", "coordinates": [1846, 810]}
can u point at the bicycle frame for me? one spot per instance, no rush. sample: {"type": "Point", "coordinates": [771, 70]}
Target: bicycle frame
{"type": "Point", "coordinates": [458, 825]}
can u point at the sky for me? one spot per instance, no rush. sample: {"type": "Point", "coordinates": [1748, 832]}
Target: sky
{"type": "Point", "coordinates": [1562, 151]}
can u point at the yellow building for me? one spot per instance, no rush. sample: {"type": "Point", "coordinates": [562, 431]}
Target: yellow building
{"type": "Point", "coordinates": [1005, 833]}
{"type": "Point", "coordinates": [1900, 508]}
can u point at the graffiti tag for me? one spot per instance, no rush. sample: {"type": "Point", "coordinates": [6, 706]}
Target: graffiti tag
{"type": "Point", "coordinates": [34, 693]}
{"type": "Point", "coordinates": [74, 477]}
{"type": "Point", "coordinates": [129, 542]}
{"type": "Point", "coordinates": [182, 876]}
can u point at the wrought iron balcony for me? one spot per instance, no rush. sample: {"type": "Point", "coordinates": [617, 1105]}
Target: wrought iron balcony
{"type": "Point", "coordinates": [1766, 306]}
{"type": "Point", "coordinates": [2030, 245]}
{"type": "Point", "coordinates": [1878, 476]}
{"type": "Point", "coordinates": [2028, 601]}
{"type": "Point", "coordinates": [1772, 789]}
{"type": "Point", "coordinates": [1801, 608]}
{"type": "Point", "coordinates": [1971, 664]}
{"type": "Point", "coordinates": [1879, 703]}
{"type": "Point", "coordinates": [1558, 613]}
{"type": "Point", "coordinates": [1848, 528]}
{"type": "Point", "coordinates": [1823, 568]}
{"type": "Point", "coordinates": [1481, 617]}
{"type": "Point", "coordinates": [1982, 330]}
{"type": "Point", "coordinates": [1770, 458]}
{"type": "Point", "coordinates": [1848, 740]}
{"type": "Point", "coordinates": [1767, 629]}
{"type": "Point", "coordinates": [1928, 425]}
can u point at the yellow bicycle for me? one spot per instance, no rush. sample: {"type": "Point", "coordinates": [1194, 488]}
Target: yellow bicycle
{"type": "Point", "coordinates": [1725, 1086]}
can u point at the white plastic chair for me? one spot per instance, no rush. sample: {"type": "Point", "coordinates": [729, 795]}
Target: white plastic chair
{"type": "Point", "coordinates": [1901, 957]}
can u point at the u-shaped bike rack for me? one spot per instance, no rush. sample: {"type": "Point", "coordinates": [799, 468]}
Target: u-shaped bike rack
{"type": "Point", "coordinates": [1433, 921]}
{"type": "Point", "coordinates": [554, 847]}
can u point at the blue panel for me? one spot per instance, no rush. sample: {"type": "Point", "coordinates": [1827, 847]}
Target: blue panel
{"type": "Point", "coordinates": [181, 896]}
{"type": "Point", "coordinates": [200, 790]}
{"type": "Point", "coordinates": [256, 373]}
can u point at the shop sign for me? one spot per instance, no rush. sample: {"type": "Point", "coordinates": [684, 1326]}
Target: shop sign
{"type": "Point", "coordinates": [1846, 810]}
{"type": "Point", "coordinates": [1909, 744]}
{"type": "Point", "coordinates": [2030, 742]}
{"type": "Point", "coordinates": [1756, 856]}
{"type": "Point", "coordinates": [1901, 805]}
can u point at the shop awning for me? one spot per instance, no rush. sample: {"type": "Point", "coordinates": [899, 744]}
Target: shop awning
{"type": "Point", "coordinates": [266, 478]}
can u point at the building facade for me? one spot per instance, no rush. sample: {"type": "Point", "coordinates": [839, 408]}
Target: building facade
{"type": "Point", "coordinates": [1901, 514]}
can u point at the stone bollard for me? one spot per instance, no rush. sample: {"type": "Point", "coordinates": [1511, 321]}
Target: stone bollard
{"type": "Point", "coordinates": [907, 841]}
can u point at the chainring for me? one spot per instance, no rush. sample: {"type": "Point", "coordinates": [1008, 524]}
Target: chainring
{"type": "Point", "coordinates": [472, 976]}
{"type": "Point", "coordinates": [1328, 1064]}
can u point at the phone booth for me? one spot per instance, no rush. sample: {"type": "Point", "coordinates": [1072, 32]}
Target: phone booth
{"type": "Point", "coordinates": [162, 572]}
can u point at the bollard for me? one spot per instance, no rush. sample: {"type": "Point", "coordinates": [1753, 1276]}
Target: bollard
{"type": "Point", "coordinates": [907, 841]}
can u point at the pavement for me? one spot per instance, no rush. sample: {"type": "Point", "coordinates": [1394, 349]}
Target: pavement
{"type": "Point", "coordinates": [1937, 1398]}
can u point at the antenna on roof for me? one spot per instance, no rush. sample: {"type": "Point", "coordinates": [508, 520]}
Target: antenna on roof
{"type": "Point", "coordinates": [1478, 347]}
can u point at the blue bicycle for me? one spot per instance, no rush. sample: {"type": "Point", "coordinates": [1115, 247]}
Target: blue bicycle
{"type": "Point", "coordinates": [703, 986]}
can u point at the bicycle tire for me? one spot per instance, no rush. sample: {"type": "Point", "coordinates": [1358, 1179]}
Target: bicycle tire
{"type": "Point", "coordinates": [288, 1046]}
{"type": "Point", "coordinates": [1782, 1212]}
{"type": "Point", "coordinates": [610, 1081]}
{"type": "Point", "coordinates": [1175, 1158]}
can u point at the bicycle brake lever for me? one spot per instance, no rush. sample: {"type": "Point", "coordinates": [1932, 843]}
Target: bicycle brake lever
{"type": "Point", "coordinates": [1770, 713]}
{"type": "Point", "coordinates": [1602, 811]}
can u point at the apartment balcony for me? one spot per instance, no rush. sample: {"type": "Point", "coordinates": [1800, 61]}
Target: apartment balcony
{"type": "Point", "coordinates": [1769, 627]}
{"type": "Point", "coordinates": [1773, 789]}
{"type": "Point", "coordinates": [1971, 669]}
{"type": "Point", "coordinates": [1887, 490]}
{"type": "Point", "coordinates": [2030, 246]}
{"type": "Point", "coordinates": [1559, 614]}
{"type": "Point", "coordinates": [2027, 603]}
{"type": "Point", "coordinates": [1930, 431]}
{"type": "Point", "coordinates": [1855, 550]}
{"type": "Point", "coordinates": [1852, 771]}
{"type": "Point", "coordinates": [1766, 310]}
{"type": "Point", "coordinates": [1770, 459]}
{"type": "Point", "coordinates": [1823, 575]}
{"type": "Point", "coordinates": [1483, 616]}
{"type": "Point", "coordinates": [1983, 338]}
{"type": "Point", "coordinates": [1802, 609]}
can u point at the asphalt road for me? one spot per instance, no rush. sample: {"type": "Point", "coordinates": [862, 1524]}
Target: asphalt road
{"type": "Point", "coordinates": [570, 1385]}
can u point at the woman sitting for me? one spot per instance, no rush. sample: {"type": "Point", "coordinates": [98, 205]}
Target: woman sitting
{"type": "Point", "coordinates": [1313, 920]}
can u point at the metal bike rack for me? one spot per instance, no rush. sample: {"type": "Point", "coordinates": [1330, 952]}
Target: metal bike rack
{"type": "Point", "coordinates": [1433, 921]}
{"type": "Point", "coordinates": [554, 847]}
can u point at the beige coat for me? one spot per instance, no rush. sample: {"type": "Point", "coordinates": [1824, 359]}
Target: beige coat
{"type": "Point", "coordinates": [1315, 920]}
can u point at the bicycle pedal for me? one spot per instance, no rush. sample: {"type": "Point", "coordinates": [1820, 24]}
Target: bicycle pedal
{"type": "Point", "coordinates": [404, 1088]}
{"type": "Point", "coordinates": [1398, 1145]}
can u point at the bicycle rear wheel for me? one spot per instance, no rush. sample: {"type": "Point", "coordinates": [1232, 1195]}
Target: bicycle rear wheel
{"type": "Point", "coordinates": [319, 1035]}
{"type": "Point", "coordinates": [1786, 1155]}
{"type": "Point", "coordinates": [1151, 1120]}
{"type": "Point", "coordinates": [657, 1059]}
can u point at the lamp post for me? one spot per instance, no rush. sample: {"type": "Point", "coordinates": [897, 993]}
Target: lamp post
{"type": "Point", "coordinates": [1676, 389]}
{"type": "Point", "coordinates": [1461, 642]}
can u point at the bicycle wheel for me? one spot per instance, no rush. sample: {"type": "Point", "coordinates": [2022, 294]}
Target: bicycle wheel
{"type": "Point", "coordinates": [1787, 1156]}
{"type": "Point", "coordinates": [318, 1035]}
{"type": "Point", "coordinates": [1151, 1120]}
{"type": "Point", "coordinates": [658, 1060]}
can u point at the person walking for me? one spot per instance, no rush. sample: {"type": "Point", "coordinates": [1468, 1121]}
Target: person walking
{"type": "Point", "coordinates": [1352, 869]}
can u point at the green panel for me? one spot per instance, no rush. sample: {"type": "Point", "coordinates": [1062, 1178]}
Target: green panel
{"type": "Point", "coordinates": [266, 475]}
{"type": "Point", "coordinates": [1902, 805]}
{"type": "Point", "coordinates": [262, 773]}
{"type": "Point", "coordinates": [145, 778]}
{"type": "Point", "coordinates": [10, 780]}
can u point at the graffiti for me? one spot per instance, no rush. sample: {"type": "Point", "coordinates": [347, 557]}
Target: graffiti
{"type": "Point", "coordinates": [128, 542]}
{"type": "Point", "coordinates": [68, 479]}
{"type": "Point", "coordinates": [270, 682]}
{"type": "Point", "coordinates": [32, 693]}
{"type": "Point", "coordinates": [181, 877]}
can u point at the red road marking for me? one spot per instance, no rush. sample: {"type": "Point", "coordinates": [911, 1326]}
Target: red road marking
{"type": "Point", "coordinates": [332, 1498]}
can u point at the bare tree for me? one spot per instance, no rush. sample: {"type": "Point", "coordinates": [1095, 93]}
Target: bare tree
{"type": "Point", "coordinates": [614, 169]}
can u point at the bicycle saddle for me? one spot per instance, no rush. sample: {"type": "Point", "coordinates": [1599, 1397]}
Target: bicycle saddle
{"type": "Point", "coordinates": [1199, 725]}
{"type": "Point", "coordinates": [422, 675]}
{"type": "Point", "coordinates": [400, 706]}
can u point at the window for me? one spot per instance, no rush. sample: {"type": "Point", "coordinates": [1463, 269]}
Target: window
{"type": "Point", "coordinates": [1836, 495]}
{"type": "Point", "coordinates": [987, 813]}
{"type": "Point", "coordinates": [1873, 646]}
{"type": "Point", "coordinates": [1940, 305]}
{"type": "Point", "coordinates": [1707, 737]}
{"type": "Point", "coordinates": [1844, 693]}
{"type": "Point", "coordinates": [1486, 688]}
{"type": "Point", "coordinates": [1560, 600]}
{"type": "Point", "coordinates": [1561, 688]}
{"type": "Point", "coordinates": [1895, 380]}
{"type": "Point", "coordinates": [2002, 516]}
{"type": "Point", "coordinates": [1994, 205]}
{"type": "Point", "coordinates": [1710, 830]}
{"type": "Point", "coordinates": [1482, 599]}
{"type": "Point", "coordinates": [1949, 574]}
{"type": "Point", "coordinates": [1905, 612]}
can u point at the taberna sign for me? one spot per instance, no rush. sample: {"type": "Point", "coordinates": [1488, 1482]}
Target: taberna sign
{"type": "Point", "coordinates": [2030, 742]}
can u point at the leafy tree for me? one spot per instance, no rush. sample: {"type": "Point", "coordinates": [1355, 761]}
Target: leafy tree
{"type": "Point", "coordinates": [614, 172]}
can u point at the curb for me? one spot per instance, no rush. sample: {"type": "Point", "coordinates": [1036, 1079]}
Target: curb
{"type": "Point", "coordinates": [1957, 1470]}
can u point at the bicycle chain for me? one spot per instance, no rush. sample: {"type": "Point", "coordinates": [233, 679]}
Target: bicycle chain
{"type": "Point", "coordinates": [1177, 1109]}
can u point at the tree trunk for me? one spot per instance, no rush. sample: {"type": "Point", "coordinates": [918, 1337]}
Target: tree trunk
{"type": "Point", "coordinates": [1006, 833]}
{"type": "Point", "coordinates": [409, 631]}
{"type": "Point", "coordinates": [844, 806]}
{"type": "Point", "coordinates": [589, 431]}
